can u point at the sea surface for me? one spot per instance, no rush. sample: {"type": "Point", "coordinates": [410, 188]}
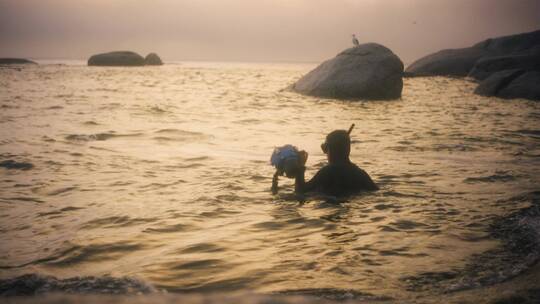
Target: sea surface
{"type": "Point", "coordinates": [161, 175]}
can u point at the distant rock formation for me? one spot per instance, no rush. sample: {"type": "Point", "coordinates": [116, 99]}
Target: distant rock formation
{"type": "Point", "coordinates": [367, 71]}
{"type": "Point", "coordinates": [124, 58]}
{"type": "Point", "coordinates": [460, 62]}
{"type": "Point", "coordinates": [121, 58]}
{"type": "Point", "coordinates": [152, 59]}
{"type": "Point", "coordinates": [5, 61]}
{"type": "Point", "coordinates": [511, 84]}
{"type": "Point", "coordinates": [507, 67]}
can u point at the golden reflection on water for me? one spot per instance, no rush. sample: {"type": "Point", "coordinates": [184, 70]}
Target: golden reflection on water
{"type": "Point", "coordinates": [162, 173]}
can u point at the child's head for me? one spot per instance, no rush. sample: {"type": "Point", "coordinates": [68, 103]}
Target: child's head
{"type": "Point", "coordinates": [286, 159]}
{"type": "Point", "coordinates": [291, 166]}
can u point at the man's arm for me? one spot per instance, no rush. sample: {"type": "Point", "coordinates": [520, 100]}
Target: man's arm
{"type": "Point", "coordinates": [316, 183]}
{"type": "Point", "coordinates": [275, 182]}
{"type": "Point", "coordinates": [299, 181]}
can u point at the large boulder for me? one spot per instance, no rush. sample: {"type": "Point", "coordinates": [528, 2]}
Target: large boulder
{"type": "Point", "coordinates": [367, 71]}
{"type": "Point", "coordinates": [5, 61]}
{"type": "Point", "coordinates": [460, 62]}
{"type": "Point", "coordinates": [511, 84]}
{"type": "Point", "coordinates": [152, 59]}
{"type": "Point", "coordinates": [489, 65]}
{"type": "Point", "coordinates": [121, 58]}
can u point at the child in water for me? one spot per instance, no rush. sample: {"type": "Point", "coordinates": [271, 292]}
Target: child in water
{"type": "Point", "coordinates": [338, 178]}
{"type": "Point", "coordinates": [288, 161]}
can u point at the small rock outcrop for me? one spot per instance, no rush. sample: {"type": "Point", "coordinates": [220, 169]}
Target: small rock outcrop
{"type": "Point", "coordinates": [489, 65]}
{"type": "Point", "coordinates": [367, 71]}
{"type": "Point", "coordinates": [152, 59]}
{"type": "Point", "coordinates": [460, 62]}
{"type": "Point", "coordinates": [12, 164]}
{"type": "Point", "coordinates": [511, 84]}
{"type": "Point", "coordinates": [121, 58]}
{"type": "Point", "coordinates": [5, 61]}
{"type": "Point", "coordinates": [454, 62]}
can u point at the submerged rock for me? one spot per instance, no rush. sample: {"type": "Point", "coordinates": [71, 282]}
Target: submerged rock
{"type": "Point", "coordinates": [11, 164]}
{"type": "Point", "coordinates": [36, 284]}
{"type": "Point", "coordinates": [152, 59]}
{"type": "Point", "coordinates": [120, 58]}
{"type": "Point", "coordinates": [368, 71]}
{"type": "Point", "coordinates": [459, 62]}
{"type": "Point", "coordinates": [4, 61]}
{"type": "Point", "coordinates": [511, 84]}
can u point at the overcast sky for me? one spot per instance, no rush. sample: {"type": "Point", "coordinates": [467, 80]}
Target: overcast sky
{"type": "Point", "coordinates": [253, 30]}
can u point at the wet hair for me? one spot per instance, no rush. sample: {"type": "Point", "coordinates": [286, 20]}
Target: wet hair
{"type": "Point", "coordinates": [338, 144]}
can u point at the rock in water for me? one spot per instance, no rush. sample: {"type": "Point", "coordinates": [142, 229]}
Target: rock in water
{"type": "Point", "coordinates": [487, 66]}
{"type": "Point", "coordinates": [527, 85]}
{"type": "Point", "coordinates": [495, 82]}
{"type": "Point", "coordinates": [121, 58]}
{"type": "Point", "coordinates": [152, 59]}
{"type": "Point", "coordinates": [459, 62]}
{"type": "Point", "coordinates": [511, 84]}
{"type": "Point", "coordinates": [11, 164]}
{"type": "Point", "coordinates": [368, 71]}
{"type": "Point", "coordinates": [453, 62]}
{"type": "Point", "coordinates": [4, 61]}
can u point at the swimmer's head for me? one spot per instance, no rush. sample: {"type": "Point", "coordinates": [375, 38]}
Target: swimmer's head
{"type": "Point", "coordinates": [291, 167]}
{"type": "Point", "coordinates": [337, 146]}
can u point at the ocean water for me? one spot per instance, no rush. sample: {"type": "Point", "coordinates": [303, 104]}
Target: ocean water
{"type": "Point", "coordinates": [161, 174]}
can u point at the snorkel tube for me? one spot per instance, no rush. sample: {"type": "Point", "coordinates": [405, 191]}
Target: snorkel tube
{"type": "Point", "coordinates": [324, 145]}
{"type": "Point", "coordinates": [350, 129]}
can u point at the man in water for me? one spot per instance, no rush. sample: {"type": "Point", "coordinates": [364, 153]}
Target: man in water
{"type": "Point", "coordinates": [340, 177]}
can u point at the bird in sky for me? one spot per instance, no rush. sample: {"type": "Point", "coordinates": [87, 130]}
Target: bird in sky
{"type": "Point", "coordinates": [354, 40]}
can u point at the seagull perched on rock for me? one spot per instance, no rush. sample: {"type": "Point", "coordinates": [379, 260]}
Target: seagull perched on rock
{"type": "Point", "coordinates": [354, 40]}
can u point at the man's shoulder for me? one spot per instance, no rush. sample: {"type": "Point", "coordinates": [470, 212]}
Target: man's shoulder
{"type": "Point", "coordinates": [326, 169]}
{"type": "Point", "coordinates": [356, 168]}
{"type": "Point", "coordinates": [364, 178]}
{"type": "Point", "coordinates": [350, 166]}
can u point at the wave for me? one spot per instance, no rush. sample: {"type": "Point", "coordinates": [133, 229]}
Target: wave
{"type": "Point", "coordinates": [61, 191]}
{"type": "Point", "coordinates": [178, 135]}
{"type": "Point", "coordinates": [499, 176]}
{"type": "Point", "coordinates": [60, 211]}
{"type": "Point", "coordinates": [116, 222]}
{"type": "Point", "coordinates": [98, 136]}
{"type": "Point", "coordinates": [334, 294]}
{"type": "Point", "coordinates": [531, 133]}
{"type": "Point", "coordinates": [90, 123]}
{"type": "Point", "coordinates": [519, 233]}
{"type": "Point", "coordinates": [73, 254]}
{"type": "Point", "coordinates": [23, 199]}
{"type": "Point", "coordinates": [36, 284]}
{"type": "Point", "coordinates": [170, 228]}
